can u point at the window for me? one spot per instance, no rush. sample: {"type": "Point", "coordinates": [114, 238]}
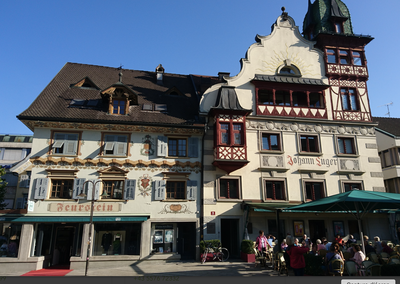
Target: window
{"type": "Point", "coordinates": [266, 97]}
{"type": "Point", "coordinates": [115, 145]}
{"type": "Point", "coordinates": [351, 186]}
{"type": "Point", "coordinates": [119, 106]}
{"type": "Point", "coordinates": [309, 143]}
{"type": "Point", "coordinates": [65, 143]}
{"type": "Point", "coordinates": [331, 55]}
{"type": "Point", "coordinates": [177, 147]}
{"type": "Point", "coordinates": [271, 142]}
{"type": "Point", "coordinates": [231, 133]}
{"type": "Point", "coordinates": [300, 99]}
{"type": "Point", "coordinates": [237, 134]}
{"type": "Point", "coordinates": [287, 71]}
{"type": "Point", "coordinates": [113, 188]}
{"type": "Point", "coordinates": [282, 98]}
{"type": "Point", "coordinates": [346, 145]}
{"type": "Point", "coordinates": [338, 28]}
{"type": "Point", "coordinates": [386, 159]}
{"type": "Point", "coordinates": [357, 58]}
{"type": "Point", "coordinates": [61, 188]}
{"type": "Point", "coordinates": [275, 190]}
{"type": "Point", "coordinates": [344, 57]}
{"type": "Point", "coordinates": [176, 189]}
{"type": "Point", "coordinates": [292, 98]}
{"type": "Point", "coordinates": [316, 100]}
{"type": "Point", "coordinates": [229, 188]}
{"type": "Point", "coordinates": [314, 190]}
{"type": "Point", "coordinates": [349, 99]}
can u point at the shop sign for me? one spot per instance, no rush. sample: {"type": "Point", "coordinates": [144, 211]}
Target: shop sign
{"type": "Point", "coordinates": [73, 207]}
{"type": "Point", "coordinates": [320, 162]}
{"type": "Point", "coordinates": [212, 213]}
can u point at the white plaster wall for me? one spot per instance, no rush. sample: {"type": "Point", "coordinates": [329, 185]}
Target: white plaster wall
{"type": "Point", "coordinates": [142, 205]}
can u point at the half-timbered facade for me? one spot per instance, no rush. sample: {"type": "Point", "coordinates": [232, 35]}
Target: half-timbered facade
{"type": "Point", "coordinates": [293, 126]}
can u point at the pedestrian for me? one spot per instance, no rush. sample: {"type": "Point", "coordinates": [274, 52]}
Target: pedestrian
{"type": "Point", "coordinates": [296, 256]}
{"type": "Point", "coordinates": [262, 243]}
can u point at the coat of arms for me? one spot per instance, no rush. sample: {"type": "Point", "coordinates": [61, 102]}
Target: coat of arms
{"type": "Point", "coordinates": [145, 185]}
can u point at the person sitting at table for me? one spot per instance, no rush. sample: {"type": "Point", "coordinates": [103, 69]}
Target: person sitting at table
{"type": "Point", "coordinates": [326, 243]}
{"type": "Point", "coordinates": [306, 240]}
{"type": "Point", "coordinates": [320, 244]}
{"type": "Point", "coordinates": [314, 250]}
{"type": "Point", "coordinates": [334, 253]}
{"type": "Point", "coordinates": [296, 242]}
{"type": "Point", "coordinates": [284, 245]}
{"type": "Point", "coordinates": [378, 245]}
{"type": "Point", "coordinates": [368, 248]}
{"type": "Point", "coordinates": [358, 257]}
{"type": "Point", "coordinates": [339, 239]}
{"type": "Point", "coordinates": [386, 248]}
{"type": "Point", "coordinates": [351, 240]}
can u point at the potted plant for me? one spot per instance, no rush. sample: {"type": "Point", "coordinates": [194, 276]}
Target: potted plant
{"type": "Point", "coordinates": [247, 251]}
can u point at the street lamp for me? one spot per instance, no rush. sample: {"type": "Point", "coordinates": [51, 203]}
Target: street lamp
{"type": "Point", "coordinates": [104, 194]}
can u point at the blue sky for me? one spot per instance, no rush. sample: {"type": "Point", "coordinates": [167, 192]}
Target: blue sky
{"type": "Point", "coordinates": [187, 37]}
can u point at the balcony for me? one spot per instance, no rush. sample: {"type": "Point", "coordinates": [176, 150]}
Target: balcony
{"type": "Point", "coordinates": [230, 158]}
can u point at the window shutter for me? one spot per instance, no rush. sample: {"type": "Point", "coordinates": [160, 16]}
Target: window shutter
{"type": "Point", "coordinates": [70, 147]}
{"type": "Point", "coordinates": [193, 147]}
{"type": "Point", "coordinates": [120, 149]}
{"type": "Point", "coordinates": [129, 190]}
{"type": "Point", "coordinates": [20, 203]}
{"type": "Point", "coordinates": [89, 187]}
{"type": "Point", "coordinates": [109, 146]}
{"type": "Point", "coordinates": [78, 188]}
{"type": "Point", "coordinates": [191, 187]}
{"type": "Point", "coordinates": [159, 189]}
{"type": "Point", "coordinates": [2, 153]}
{"type": "Point", "coordinates": [24, 181]}
{"type": "Point", "coordinates": [162, 146]}
{"type": "Point", "coordinates": [41, 188]}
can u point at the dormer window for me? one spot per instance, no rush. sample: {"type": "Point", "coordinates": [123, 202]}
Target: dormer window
{"type": "Point", "coordinates": [338, 27]}
{"type": "Point", "coordinates": [119, 106]}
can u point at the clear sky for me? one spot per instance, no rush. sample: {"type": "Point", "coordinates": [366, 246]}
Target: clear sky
{"type": "Point", "coordinates": [201, 37]}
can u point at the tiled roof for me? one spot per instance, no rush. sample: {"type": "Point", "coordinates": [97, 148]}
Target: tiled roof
{"type": "Point", "coordinates": [53, 104]}
{"type": "Point", "coordinates": [388, 124]}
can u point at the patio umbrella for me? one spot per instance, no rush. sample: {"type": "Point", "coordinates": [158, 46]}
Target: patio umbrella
{"type": "Point", "coordinates": [356, 202]}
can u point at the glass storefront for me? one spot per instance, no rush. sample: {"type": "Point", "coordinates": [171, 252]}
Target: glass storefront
{"type": "Point", "coordinates": [9, 239]}
{"type": "Point", "coordinates": [117, 239]}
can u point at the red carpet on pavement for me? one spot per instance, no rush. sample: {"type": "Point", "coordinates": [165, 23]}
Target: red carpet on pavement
{"type": "Point", "coordinates": [58, 270]}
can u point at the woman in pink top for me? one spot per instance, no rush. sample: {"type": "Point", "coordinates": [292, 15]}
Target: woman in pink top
{"type": "Point", "coordinates": [262, 242]}
{"type": "Point", "coordinates": [358, 257]}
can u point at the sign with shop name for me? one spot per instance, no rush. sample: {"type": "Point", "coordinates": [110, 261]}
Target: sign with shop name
{"type": "Point", "coordinates": [73, 207]}
{"type": "Point", "coordinates": [320, 162]}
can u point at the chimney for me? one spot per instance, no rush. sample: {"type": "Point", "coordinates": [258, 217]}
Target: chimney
{"type": "Point", "coordinates": [160, 71]}
{"type": "Point", "coordinates": [221, 76]}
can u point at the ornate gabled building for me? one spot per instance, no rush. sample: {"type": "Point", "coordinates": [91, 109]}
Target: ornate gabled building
{"type": "Point", "coordinates": [130, 142]}
{"type": "Point", "coordinates": [293, 126]}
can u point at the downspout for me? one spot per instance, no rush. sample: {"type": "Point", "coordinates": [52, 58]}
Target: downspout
{"type": "Point", "coordinates": [246, 220]}
{"type": "Point", "coordinates": [202, 183]}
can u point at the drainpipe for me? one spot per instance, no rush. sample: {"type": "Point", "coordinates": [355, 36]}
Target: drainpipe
{"type": "Point", "coordinates": [202, 183]}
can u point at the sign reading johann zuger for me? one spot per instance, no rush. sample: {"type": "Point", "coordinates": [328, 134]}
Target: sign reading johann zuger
{"type": "Point", "coordinates": [73, 207]}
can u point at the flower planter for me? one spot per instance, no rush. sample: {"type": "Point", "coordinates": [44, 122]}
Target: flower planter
{"type": "Point", "coordinates": [249, 258]}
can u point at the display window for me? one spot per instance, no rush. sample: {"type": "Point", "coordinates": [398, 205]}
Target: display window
{"type": "Point", "coordinates": [117, 239]}
{"type": "Point", "coordinates": [163, 238]}
{"type": "Point", "coordinates": [9, 239]}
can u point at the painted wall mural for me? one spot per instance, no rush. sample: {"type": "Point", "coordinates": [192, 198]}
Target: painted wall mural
{"type": "Point", "coordinates": [145, 182]}
{"type": "Point", "coordinates": [148, 146]}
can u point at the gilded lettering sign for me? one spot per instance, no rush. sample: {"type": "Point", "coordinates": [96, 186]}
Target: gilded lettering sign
{"type": "Point", "coordinates": [73, 207]}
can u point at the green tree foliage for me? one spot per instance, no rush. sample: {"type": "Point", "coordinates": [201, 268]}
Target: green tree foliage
{"type": "Point", "coordinates": [3, 185]}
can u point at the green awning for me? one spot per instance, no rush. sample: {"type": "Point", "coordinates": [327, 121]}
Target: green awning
{"type": "Point", "coordinates": [269, 206]}
{"type": "Point", "coordinates": [72, 219]}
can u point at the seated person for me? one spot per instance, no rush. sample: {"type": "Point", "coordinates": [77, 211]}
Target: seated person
{"type": "Point", "coordinates": [320, 244]}
{"type": "Point", "coordinates": [368, 247]}
{"type": "Point", "coordinates": [386, 248]}
{"type": "Point", "coordinates": [284, 245]}
{"type": "Point", "coordinates": [359, 256]}
{"type": "Point", "coordinates": [378, 245]}
{"type": "Point", "coordinates": [339, 240]}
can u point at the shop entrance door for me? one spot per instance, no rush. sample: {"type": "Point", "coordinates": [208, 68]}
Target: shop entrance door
{"type": "Point", "coordinates": [230, 236]}
{"type": "Point", "coordinates": [317, 230]}
{"type": "Point", "coordinates": [63, 245]}
{"type": "Point", "coordinates": [186, 241]}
